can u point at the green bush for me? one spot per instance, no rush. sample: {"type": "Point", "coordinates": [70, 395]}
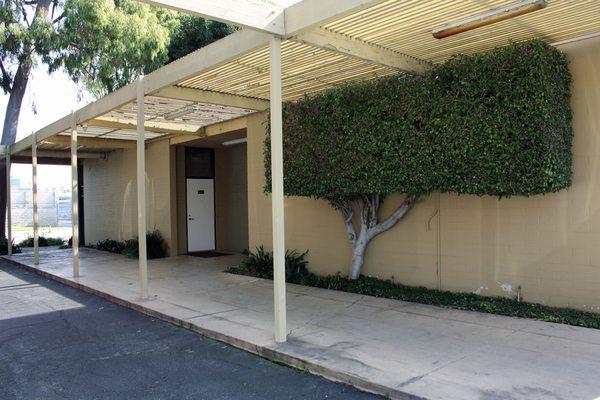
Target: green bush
{"type": "Point", "coordinates": [112, 246]}
{"type": "Point", "coordinates": [260, 264]}
{"type": "Point", "coordinates": [497, 123]}
{"type": "Point", "coordinates": [43, 241]}
{"type": "Point", "coordinates": [16, 248]}
{"type": "Point", "coordinates": [156, 247]}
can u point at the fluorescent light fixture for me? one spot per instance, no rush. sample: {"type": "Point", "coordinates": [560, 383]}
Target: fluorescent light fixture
{"type": "Point", "coordinates": [487, 18]}
{"type": "Point", "coordinates": [181, 112]}
{"type": "Point", "coordinates": [236, 141]}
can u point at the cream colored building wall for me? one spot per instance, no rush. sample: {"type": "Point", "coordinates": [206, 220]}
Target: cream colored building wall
{"type": "Point", "coordinates": [231, 198]}
{"type": "Point", "coordinates": [110, 194]}
{"type": "Point", "coordinates": [548, 245]}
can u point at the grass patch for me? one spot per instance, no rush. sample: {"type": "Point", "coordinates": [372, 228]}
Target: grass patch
{"type": "Point", "coordinates": [260, 265]}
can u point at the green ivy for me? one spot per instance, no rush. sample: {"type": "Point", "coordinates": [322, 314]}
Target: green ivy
{"type": "Point", "coordinates": [497, 123]}
{"type": "Point", "coordinates": [260, 264]}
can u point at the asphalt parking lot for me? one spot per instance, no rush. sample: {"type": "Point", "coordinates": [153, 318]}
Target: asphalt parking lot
{"type": "Point", "coordinates": [60, 343]}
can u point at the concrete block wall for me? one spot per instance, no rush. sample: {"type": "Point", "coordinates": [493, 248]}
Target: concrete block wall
{"type": "Point", "coordinates": [548, 245]}
{"type": "Point", "coordinates": [110, 194]}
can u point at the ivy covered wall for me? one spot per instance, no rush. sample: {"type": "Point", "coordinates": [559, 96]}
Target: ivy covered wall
{"type": "Point", "coordinates": [497, 123]}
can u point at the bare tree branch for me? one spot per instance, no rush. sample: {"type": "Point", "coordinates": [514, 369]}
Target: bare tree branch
{"type": "Point", "coordinates": [348, 215]}
{"type": "Point", "coordinates": [393, 218]}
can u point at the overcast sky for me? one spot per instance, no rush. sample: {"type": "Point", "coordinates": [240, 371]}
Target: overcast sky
{"type": "Point", "coordinates": [48, 98]}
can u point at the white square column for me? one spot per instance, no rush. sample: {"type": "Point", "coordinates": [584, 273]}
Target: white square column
{"type": "Point", "coordinates": [277, 190]}
{"type": "Point", "coordinates": [141, 191]}
{"type": "Point", "coordinates": [8, 205]}
{"type": "Point", "coordinates": [36, 246]}
{"type": "Point", "coordinates": [74, 196]}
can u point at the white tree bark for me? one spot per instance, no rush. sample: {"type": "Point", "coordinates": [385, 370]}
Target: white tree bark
{"type": "Point", "coordinates": [370, 226]}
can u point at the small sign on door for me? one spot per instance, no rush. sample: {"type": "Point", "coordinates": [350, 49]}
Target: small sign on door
{"type": "Point", "coordinates": [200, 191]}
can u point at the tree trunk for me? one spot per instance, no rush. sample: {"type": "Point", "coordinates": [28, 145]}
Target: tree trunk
{"type": "Point", "coordinates": [9, 132]}
{"type": "Point", "coordinates": [358, 256]}
{"type": "Point", "coordinates": [13, 108]}
{"type": "Point", "coordinates": [369, 226]}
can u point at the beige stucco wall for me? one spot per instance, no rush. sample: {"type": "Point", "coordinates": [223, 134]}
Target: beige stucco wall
{"type": "Point", "coordinates": [110, 194]}
{"type": "Point", "coordinates": [231, 198]}
{"type": "Point", "coordinates": [549, 245]}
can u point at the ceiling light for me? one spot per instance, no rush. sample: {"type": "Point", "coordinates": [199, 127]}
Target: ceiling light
{"type": "Point", "coordinates": [487, 18]}
{"type": "Point", "coordinates": [236, 141]}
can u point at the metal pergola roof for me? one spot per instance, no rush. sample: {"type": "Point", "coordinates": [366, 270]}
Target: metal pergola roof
{"type": "Point", "coordinates": [327, 42]}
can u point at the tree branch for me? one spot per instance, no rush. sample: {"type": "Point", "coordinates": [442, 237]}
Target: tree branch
{"type": "Point", "coordinates": [6, 79]}
{"type": "Point", "coordinates": [394, 218]}
{"type": "Point", "coordinates": [348, 215]}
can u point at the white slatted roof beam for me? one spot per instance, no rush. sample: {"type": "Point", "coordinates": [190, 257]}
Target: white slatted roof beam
{"type": "Point", "coordinates": [259, 15]}
{"type": "Point", "coordinates": [359, 49]}
{"type": "Point", "coordinates": [207, 96]}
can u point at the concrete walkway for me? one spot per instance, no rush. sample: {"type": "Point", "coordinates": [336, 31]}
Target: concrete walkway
{"type": "Point", "coordinates": [59, 343]}
{"type": "Point", "coordinates": [403, 350]}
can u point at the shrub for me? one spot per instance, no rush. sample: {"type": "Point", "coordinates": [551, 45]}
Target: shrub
{"type": "Point", "coordinates": [260, 264]}
{"type": "Point", "coordinates": [112, 246]}
{"type": "Point", "coordinates": [257, 265]}
{"type": "Point", "coordinates": [67, 245]}
{"type": "Point", "coordinates": [43, 241]}
{"type": "Point", "coordinates": [156, 247]}
{"type": "Point", "coordinates": [16, 248]}
{"type": "Point", "coordinates": [497, 123]}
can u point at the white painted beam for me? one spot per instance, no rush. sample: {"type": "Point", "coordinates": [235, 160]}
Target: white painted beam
{"type": "Point", "coordinates": [90, 142]}
{"type": "Point", "coordinates": [151, 126]}
{"type": "Point", "coordinates": [277, 204]}
{"type": "Point", "coordinates": [8, 205]}
{"type": "Point", "coordinates": [141, 192]}
{"type": "Point", "coordinates": [34, 188]}
{"type": "Point", "coordinates": [58, 154]}
{"type": "Point", "coordinates": [74, 197]}
{"type": "Point", "coordinates": [207, 96]}
{"type": "Point", "coordinates": [255, 14]}
{"type": "Point", "coordinates": [358, 49]}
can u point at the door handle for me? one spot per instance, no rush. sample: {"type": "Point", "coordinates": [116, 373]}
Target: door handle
{"type": "Point", "coordinates": [190, 219]}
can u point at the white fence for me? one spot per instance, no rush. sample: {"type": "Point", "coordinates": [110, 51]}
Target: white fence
{"type": "Point", "coordinates": [54, 209]}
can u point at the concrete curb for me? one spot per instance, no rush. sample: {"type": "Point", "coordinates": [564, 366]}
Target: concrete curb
{"type": "Point", "coordinates": [275, 355]}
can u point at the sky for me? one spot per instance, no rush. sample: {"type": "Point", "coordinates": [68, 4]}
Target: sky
{"type": "Point", "coordinates": [48, 98]}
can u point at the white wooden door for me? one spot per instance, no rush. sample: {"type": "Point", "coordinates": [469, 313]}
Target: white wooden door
{"type": "Point", "coordinates": [200, 214]}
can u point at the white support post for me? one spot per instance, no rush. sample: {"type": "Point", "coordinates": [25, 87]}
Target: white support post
{"type": "Point", "coordinates": [8, 205]}
{"type": "Point", "coordinates": [141, 191]}
{"type": "Point", "coordinates": [74, 196]}
{"type": "Point", "coordinates": [36, 247]}
{"type": "Point", "coordinates": [277, 190]}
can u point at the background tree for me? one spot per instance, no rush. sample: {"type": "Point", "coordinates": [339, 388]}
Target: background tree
{"type": "Point", "coordinates": [101, 44]}
{"type": "Point", "coordinates": [192, 33]}
{"type": "Point", "coordinates": [497, 123]}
